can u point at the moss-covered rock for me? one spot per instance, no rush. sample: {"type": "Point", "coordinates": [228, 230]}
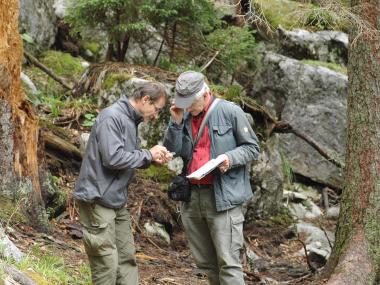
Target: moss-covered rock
{"type": "Point", "coordinates": [333, 66]}
{"type": "Point", "coordinates": [115, 78]}
{"type": "Point", "coordinates": [63, 64]}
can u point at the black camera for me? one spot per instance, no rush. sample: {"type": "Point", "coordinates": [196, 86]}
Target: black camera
{"type": "Point", "coordinates": [179, 189]}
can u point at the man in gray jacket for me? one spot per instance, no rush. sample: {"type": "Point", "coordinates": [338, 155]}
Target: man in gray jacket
{"type": "Point", "coordinates": [213, 219]}
{"type": "Point", "coordinates": [112, 155]}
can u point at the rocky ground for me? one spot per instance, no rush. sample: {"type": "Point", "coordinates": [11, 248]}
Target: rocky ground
{"type": "Point", "coordinates": [271, 255]}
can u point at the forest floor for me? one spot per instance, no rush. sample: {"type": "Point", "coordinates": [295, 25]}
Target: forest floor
{"type": "Point", "coordinates": [161, 263]}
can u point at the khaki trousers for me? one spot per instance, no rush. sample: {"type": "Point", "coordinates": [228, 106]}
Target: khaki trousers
{"type": "Point", "coordinates": [215, 238]}
{"type": "Point", "coordinates": [109, 244]}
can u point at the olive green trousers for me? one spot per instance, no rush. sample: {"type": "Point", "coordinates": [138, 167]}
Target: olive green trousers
{"type": "Point", "coordinates": [108, 241]}
{"type": "Point", "coordinates": [215, 238]}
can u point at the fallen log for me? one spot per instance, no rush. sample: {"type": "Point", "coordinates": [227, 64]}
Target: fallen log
{"type": "Point", "coordinates": [59, 145]}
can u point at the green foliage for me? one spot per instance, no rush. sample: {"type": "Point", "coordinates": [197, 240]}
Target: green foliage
{"type": "Point", "coordinates": [157, 173]}
{"type": "Point", "coordinates": [89, 120]}
{"type": "Point", "coordinates": [234, 92]}
{"type": "Point", "coordinates": [27, 38]}
{"type": "Point", "coordinates": [235, 46]}
{"type": "Point", "coordinates": [287, 169]}
{"type": "Point", "coordinates": [52, 101]}
{"type": "Point", "coordinates": [330, 65]}
{"type": "Point", "coordinates": [123, 20]}
{"type": "Point", "coordinates": [281, 12]}
{"type": "Point", "coordinates": [321, 19]}
{"type": "Point", "coordinates": [49, 268]}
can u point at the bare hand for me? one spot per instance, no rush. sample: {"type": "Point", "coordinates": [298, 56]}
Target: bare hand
{"type": "Point", "coordinates": [176, 113]}
{"type": "Point", "coordinates": [159, 154]}
{"type": "Point", "coordinates": [225, 164]}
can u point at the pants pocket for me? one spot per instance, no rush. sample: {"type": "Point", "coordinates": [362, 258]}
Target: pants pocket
{"type": "Point", "coordinates": [98, 240]}
{"type": "Point", "coordinates": [237, 238]}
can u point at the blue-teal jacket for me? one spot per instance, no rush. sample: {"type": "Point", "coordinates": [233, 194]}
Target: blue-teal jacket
{"type": "Point", "coordinates": [230, 134]}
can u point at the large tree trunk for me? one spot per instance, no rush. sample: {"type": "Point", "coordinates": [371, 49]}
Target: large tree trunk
{"type": "Point", "coordinates": [19, 125]}
{"type": "Point", "coordinates": [356, 255]}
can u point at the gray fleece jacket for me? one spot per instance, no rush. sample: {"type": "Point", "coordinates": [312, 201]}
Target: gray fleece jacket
{"type": "Point", "coordinates": [111, 156]}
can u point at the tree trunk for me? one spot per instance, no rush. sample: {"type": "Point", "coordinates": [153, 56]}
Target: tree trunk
{"type": "Point", "coordinates": [19, 125]}
{"type": "Point", "coordinates": [356, 255]}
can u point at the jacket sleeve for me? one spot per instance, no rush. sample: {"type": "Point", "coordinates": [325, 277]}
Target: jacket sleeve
{"type": "Point", "coordinates": [111, 144]}
{"type": "Point", "coordinates": [173, 137]}
{"type": "Point", "coordinates": [248, 148]}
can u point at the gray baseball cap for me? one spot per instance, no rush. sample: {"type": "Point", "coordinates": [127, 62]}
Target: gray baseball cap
{"type": "Point", "coordinates": [188, 84]}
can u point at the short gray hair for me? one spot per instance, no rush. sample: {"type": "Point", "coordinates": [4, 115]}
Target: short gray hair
{"type": "Point", "coordinates": [154, 90]}
{"type": "Point", "coordinates": [204, 89]}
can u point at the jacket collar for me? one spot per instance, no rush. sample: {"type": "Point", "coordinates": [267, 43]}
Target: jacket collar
{"type": "Point", "coordinates": [129, 110]}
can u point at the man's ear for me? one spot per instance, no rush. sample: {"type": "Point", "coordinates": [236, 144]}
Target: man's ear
{"type": "Point", "coordinates": [145, 99]}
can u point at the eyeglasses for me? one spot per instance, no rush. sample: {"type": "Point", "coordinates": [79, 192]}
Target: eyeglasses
{"type": "Point", "coordinates": [156, 109]}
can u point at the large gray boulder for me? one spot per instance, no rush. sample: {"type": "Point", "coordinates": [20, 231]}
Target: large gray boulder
{"type": "Point", "coordinates": [330, 46]}
{"type": "Point", "coordinates": [268, 179]}
{"type": "Point", "coordinates": [37, 19]}
{"type": "Point", "coordinates": [313, 100]}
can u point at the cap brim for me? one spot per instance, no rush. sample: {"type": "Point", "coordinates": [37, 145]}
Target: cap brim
{"type": "Point", "coordinates": [182, 102]}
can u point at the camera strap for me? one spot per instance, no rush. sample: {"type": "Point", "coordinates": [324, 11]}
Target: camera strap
{"type": "Point", "coordinates": [204, 121]}
{"type": "Point", "coordinates": [201, 128]}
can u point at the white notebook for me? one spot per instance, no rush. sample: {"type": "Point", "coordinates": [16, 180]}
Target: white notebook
{"type": "Point", "coordinates": [206, 168]}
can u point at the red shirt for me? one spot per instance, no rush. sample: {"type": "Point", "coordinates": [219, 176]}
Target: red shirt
{"type": "Point", "coordinates": [202, 151]}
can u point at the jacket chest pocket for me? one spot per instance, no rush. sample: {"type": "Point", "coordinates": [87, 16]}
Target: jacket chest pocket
{"type": "Point", "coordinates": [224, 139]}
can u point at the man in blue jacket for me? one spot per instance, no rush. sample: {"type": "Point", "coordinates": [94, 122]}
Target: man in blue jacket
{"type": "Point", "coordinates": [213, 219]}
{"type": "Point", "coordinates": [112, 155]}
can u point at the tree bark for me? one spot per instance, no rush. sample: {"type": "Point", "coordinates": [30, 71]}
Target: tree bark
{"type": "Point", "coordinates": [19, 125]}
{"type": "Point", "coordinates": [356, 255]}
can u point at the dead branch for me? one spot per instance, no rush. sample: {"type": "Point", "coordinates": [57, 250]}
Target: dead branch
{"type": "Point", "coordinates": [62, 146]}
{"type": "Point", "coordinates": [210, 61]}
{"type": "Point", "coordinates": [45, 69]}
{"type": "Point", "coordinates": [311, 267]}
{"type": "Point", "coordinates": [285, 127]}
{"type": "Point", "coordinates": [327, 237]}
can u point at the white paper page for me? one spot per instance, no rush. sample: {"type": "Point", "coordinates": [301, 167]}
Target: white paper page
{"type": "Point", "coordinates": [206, 168]}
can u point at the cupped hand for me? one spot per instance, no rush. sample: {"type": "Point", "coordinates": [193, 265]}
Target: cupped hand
{"type": "Point", "coordinates": [160, 154]}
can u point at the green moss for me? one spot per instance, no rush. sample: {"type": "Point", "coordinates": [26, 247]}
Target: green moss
{"type": "Point", "coordinates": [94, 47]}
{"type": "Point", "coordinates": [63, 64]}
{"type": "Point", "coordinates": [283, 217]}
{"type": "Point", "coordinates": [157, 173]}
{"type": "Point", "coordinates": [281, 12]}
{"type": "Point", "coordinates": [113, 78]}
{"type": "Point", "coordinates": [330, 65]}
